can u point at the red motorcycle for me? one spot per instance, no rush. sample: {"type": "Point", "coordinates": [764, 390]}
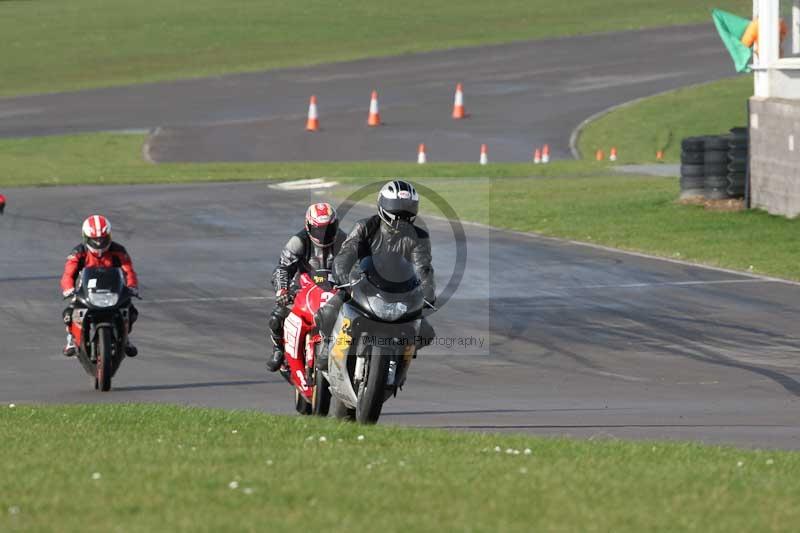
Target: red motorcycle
{"type": "Point", "coordinates": [302, 342]}
{"type": "Point", "coordinates": [100, 322]}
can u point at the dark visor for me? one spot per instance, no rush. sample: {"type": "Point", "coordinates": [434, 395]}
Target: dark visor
{"type": "Point", "coordinates": [101, 243]}
{"type": "Point", "coordinates": [323, 234]}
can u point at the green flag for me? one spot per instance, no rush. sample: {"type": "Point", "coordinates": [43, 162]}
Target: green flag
{"type": "Point", "coordinates": [731, 28]}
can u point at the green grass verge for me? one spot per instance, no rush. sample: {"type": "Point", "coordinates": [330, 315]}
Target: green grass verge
{"type": "Point", "coordinates": [163, 468]}
{"type": "Point", "coordinates": [630, 213]}
{"type": "Point", "coordinates": [105, 158]}
{"type": "Point", "coordinates": [578, 200]}
{"type": "Point", "coordinates": [54, 45]}
{"type": "Point", "coordinates": [660, 122]}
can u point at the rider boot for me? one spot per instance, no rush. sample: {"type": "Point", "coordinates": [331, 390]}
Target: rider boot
{"type": "Point", "coordinates": [70, 349]}
{"type": "Point", "coordinates": [130, 349]}
{"type": "Point", "coordinates": [275, 361]}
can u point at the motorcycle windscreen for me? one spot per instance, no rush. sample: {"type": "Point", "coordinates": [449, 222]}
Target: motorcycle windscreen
{"type": "Point", "coordinates": [388, 306]}
{"type": "Point", "coordinates": [390, 272]}
{"type": "Point", "coordinates": [102, 280]}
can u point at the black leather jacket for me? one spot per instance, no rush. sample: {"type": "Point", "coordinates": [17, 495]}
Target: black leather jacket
{"type": "Point", "coordinates": [302, 255]}
{"type": "Point", "coordinates": [371, 237]}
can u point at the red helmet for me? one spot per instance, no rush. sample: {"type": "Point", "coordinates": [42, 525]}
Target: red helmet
{"type": "Point", "coordinates": [322, 224]}
{"type": "Point", "coordinates": [96, 234]}
{"type": "Point", "coordinates": [2, 203]}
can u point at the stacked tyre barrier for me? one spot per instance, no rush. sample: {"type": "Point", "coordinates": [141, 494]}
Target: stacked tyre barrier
{"type": "Point", "coordinates": [714, 166]}
{"type": "Point", "coordinates": [693, 176]}
{"type": "Point", "coordinates": [737, 162]}
{"type": "Point", "coordinates": [715, 163]}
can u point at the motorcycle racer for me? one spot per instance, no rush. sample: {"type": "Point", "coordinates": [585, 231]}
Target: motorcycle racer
{"type": "Point", "coordinates": [391, 230]}
{"type": "Point", "coordinates": [312, 248]}
{"type": "Point", "coordinates": [97, 250]}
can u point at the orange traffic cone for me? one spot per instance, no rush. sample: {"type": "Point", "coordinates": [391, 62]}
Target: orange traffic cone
{"type": "Point", "coordinates": [599, 155]}
{"type": "Point", "coordinates": [312, 124]}
{"type": "Point", "coordinates": [484, 155]}
{"type": "Point", "coordinates": [458, 104]}
{"type": "Point", "coordinates": [660, 155]}
{"type": "Point", "coordinates": [537, 156]}
{"type": "Point", "coordinates": [546, 153]}
{"type": "Point", "coordinates": [374, 118]}
{"type": "Point", "coordinates": [613, 155]}
{"type": "Point", "coordinates": [421, 157]}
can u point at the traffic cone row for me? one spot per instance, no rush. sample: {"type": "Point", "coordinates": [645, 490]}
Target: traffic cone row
{"type": "Point", "coordinates": [541, 155]}
{"type": "Point", "coordinates": [374, 117]}
{"type": "Point", "coordinates": [600, 155]}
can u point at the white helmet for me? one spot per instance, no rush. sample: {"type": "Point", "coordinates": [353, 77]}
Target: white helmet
{"type": "Point", "coordinates": [96, 231]}
{"type": "Point", "coordinates": [398, 200]}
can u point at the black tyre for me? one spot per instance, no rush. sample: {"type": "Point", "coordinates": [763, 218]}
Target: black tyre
{"type": "Point", "coordinates": [737, 157]}
{"type": "Point", "coordinates": [735, 192]}
{"type": "Point", "coordinates": [716, 194]}
{"type": "Point", "coordinates": [321, 399]}
{"type": "Point", "coordinates": [738, 146]}
{"type": "Point", "coordinates": [716, 170]}
{"type": "Point", "coordinates": [737, 177]}
{"type": "Point", "coordinates": [716, 182]}
{"type": "Point", "coordinates": [716, 143]}
{"type": "Point", "coordinates": [715, 157]}
{"type": "Point", "coordinates": [372, 390]}
{"type": "Point", "coordinates": [737, 167]}
{"type": "Point", "coordinates": [740, 131]}
{"type": "Point", "coordinates": [692, 158]}
{"type": "Point", "coordinates": [692, 171]}
{"type": "Point", "coordinates": [693, 144]}
{"type": "Point", "coordinates": [341, 411]}
{"type": "Point", "coordinates": [692, 183]}
{"type": "Point", "coordinates": [300, 405]}
{"type": "Point", "coordinates": [716, 188]}
{"type": "Point", "coordinates": [104, 362]}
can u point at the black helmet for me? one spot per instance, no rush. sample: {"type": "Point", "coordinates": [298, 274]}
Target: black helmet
{"type": "Point", "coordinates": [398, 200]}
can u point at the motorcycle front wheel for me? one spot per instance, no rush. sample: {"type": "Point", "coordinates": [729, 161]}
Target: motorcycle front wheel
{"type": "Point", "coordinates": [104, 363]}
{"type": "Point", "coordinates": [321, 398]}
{"type": "Point", "coordinates": [371, 390]}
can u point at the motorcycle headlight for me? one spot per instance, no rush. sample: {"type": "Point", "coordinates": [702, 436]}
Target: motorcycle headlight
{"type": "Point", "coordinates": [389, 311]}
{"type": "Point", "coordinates": [103, 299]}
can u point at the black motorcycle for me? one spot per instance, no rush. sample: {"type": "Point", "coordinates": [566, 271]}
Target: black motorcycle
{"type": "Point", "coordinates": [100, 322]}
{"type": "Point", "coordinates": [374, 337]}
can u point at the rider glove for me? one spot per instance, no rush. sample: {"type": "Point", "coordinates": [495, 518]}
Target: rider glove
{"type": "Point", "coordinates": [68, 292]}
{"type": "Point", "coordinates": [355, 275]}
{"type": "Point", "coordinates": [282, 297]}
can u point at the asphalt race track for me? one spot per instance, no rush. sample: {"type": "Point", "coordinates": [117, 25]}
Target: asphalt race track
{"type": "Point", "coordinates": [518, 95]}
{"type": "Point", "coordinates": [577, 341]}
{"type": "Point", "coordinates": [565, 339]}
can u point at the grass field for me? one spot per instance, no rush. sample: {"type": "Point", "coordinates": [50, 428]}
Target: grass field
{"type": "Point", "coordinates": [659, 123]}
{"type": "Point", "coordinates": [52, 45]}
{"type": "Point", "coordinates": [117, 158]}
{"type": "Point", "coordinates": [579, 200]}
{"type": "Point", "coordinates": [162, 468]}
